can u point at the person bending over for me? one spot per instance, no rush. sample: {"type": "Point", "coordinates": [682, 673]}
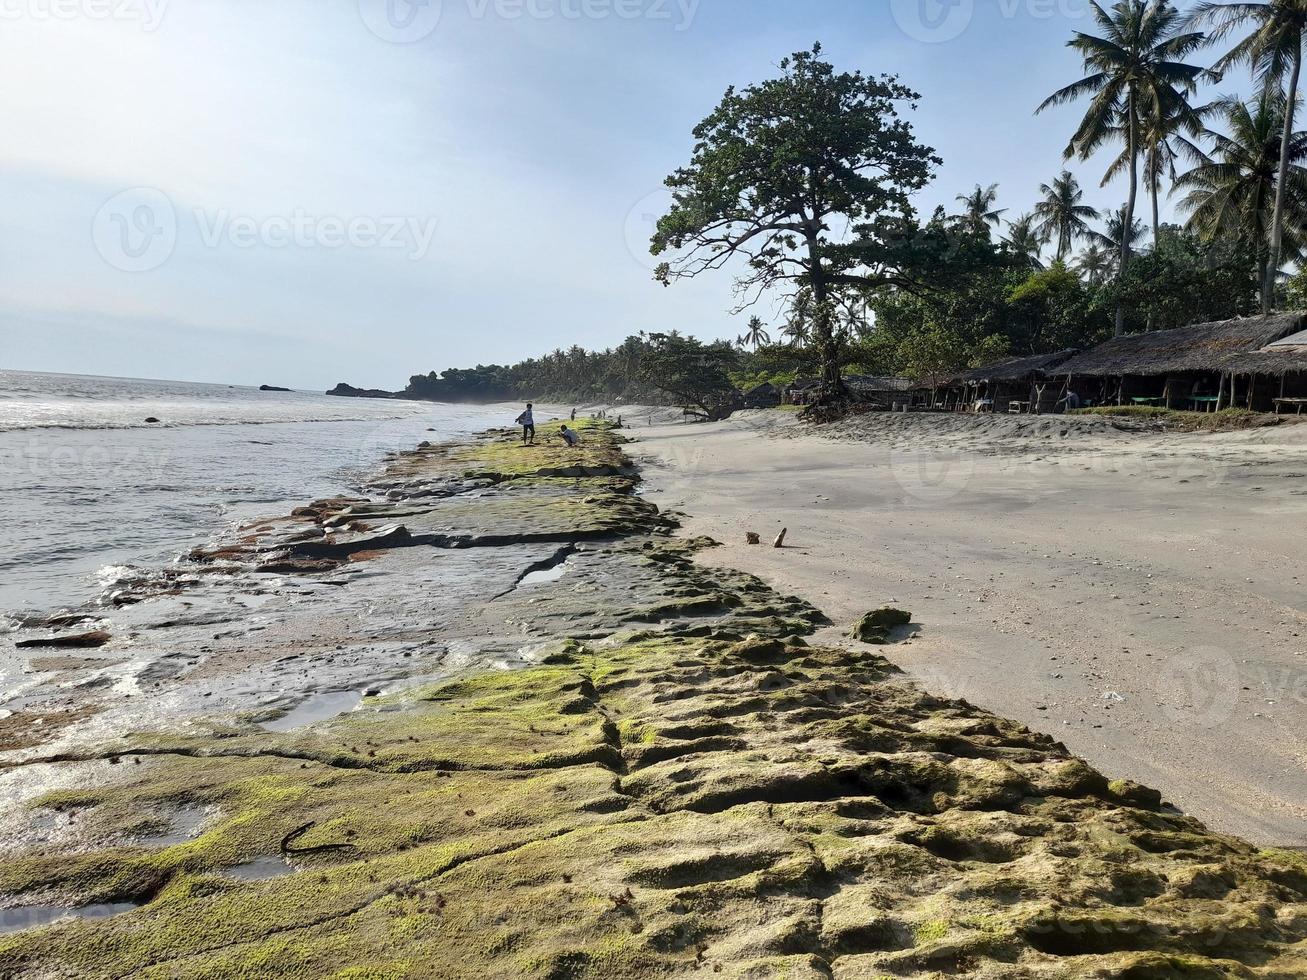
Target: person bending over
{"type": "Point", "coordinates": [569, 436]}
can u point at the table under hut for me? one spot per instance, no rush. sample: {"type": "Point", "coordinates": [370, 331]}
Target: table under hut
{"type": "Point", "coordinates": [1203, 367]}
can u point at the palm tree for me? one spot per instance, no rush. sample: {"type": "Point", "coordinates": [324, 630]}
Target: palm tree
{"type": "Point", "coordinates": [755, 334]}
{"type": "Point", "coordinates": [1025, 240]}
{"type": "Point", "coordinates": [796, 332]}
{"type": "Point", "coordinates": [978, 211]}
{"type": "Point", "coordinates": [1164, 140]}
{"type": "Point", "coordinates": [1095, 264]}
{"type": "Point", "coordinates": [1134, 74]}
{"type": "Point", "coordinates": [1061, 214]}
{"type": "Point", "coordinates": [1232, 192]}
{"type": "Point", "coordinates": [1111, 238]}
{"type": "Point", "coordinates": [1273, 50]}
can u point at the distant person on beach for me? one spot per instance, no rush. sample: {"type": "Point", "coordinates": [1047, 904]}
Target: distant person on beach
{"type": "Point", "coordinates": [527, 421]}
{"type": "Point", "coordinates": [569, 436]}
{"type": "Point", "coordinates": [573, 415]}
{"type": "Point", "coordinates": [1070, 399]}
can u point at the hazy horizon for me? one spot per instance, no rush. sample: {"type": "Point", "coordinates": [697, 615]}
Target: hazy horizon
{"type": "Point", "coordinates": [362, 190]}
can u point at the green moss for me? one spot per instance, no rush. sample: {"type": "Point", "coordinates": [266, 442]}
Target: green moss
{"type": "Point", "coordinates": [874, 627]}
{"type": "Point", "coordinates": [929, 932]}
{"type": "Point", "coordinates": [647, 806]}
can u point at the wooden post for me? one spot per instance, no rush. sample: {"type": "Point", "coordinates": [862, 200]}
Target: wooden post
{"type": "Point", "coordinates": [1252, 386]}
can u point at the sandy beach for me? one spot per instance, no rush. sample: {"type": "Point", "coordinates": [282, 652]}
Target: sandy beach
{"type": "Point", "coordinates": [1137, 596]}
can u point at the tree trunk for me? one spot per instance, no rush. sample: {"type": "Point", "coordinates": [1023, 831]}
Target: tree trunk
{"type": "Point", "coordinates": [1128, 216]}
{"type": "Point", "coordinates": [1277, 217]}
{"type": "Point", "coordinates": [831, 389]}
{"type": "Point", "coordinates": [1152, 189]}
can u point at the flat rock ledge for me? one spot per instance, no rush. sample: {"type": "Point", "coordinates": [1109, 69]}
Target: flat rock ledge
{"type": "Point", "coordinates": [709, 795]}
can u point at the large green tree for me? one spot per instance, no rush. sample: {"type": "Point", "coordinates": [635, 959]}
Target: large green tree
{"type": "Point", "coordinates": [1273, 50]}
{"type": "Point", "coordinates": [780, 170]}
{"type": "Point", "coordinates": [1052, 310]}
{"type": "Point", "coordinates": [1184, 279]}
{"type": "Point", "coordinates": [696, 375]}
{"type": "Point", "coordinates": [1135, 73]}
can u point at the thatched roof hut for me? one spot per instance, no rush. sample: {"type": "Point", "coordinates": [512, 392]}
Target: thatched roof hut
{"type": "Point", "coordinates": [764, 395]}
{"type": "Point", "coordinates": [1203, 347]}
{"type": "Point", "coordinates": [1288, 355]}
{"type": "Point", "coordinates": [867, 383]}
{"type": "Point", "coordinates": [1026, 368]}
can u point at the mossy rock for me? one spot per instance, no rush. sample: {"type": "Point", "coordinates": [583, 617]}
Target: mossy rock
{"type": "Point", "coordinates": [654, 806]}
{"type": "Point", "coordinates": [875, 626]}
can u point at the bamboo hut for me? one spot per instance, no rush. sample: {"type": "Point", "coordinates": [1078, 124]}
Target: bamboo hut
{"type": "Point", "coordinates": [1015, 384]}
{"type": "Point", "coordinates": [879, 392]}
{"type": "Point", "coordinates": [940, 393]}
{"type": "Point", "coordinates": [1277, 375]}
{"type": "Point", "coordinates": [1012, 384]}
{"type": "Point", "coordinates": [1195, 367]}
{"type": "Point", "coordinates": [765, 395]}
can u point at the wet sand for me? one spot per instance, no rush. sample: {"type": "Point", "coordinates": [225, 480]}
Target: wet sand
{"type": "Point", "coordinates": [1138, 596]}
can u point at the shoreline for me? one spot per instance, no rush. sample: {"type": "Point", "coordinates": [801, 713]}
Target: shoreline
{"type": "Point", "coordinates": [648, 764]}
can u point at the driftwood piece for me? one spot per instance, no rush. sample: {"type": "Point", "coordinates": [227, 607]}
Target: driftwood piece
{"type": "Point", "coordinates": [780, 539]}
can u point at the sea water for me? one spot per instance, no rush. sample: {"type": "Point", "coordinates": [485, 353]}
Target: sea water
{"type": "Point", "coordinates": [87, 486]}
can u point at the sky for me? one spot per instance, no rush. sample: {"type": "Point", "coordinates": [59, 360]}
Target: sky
{"type": "Point", "coordinates": [303, 192]}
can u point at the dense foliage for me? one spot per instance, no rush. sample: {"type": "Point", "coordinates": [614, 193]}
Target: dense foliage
{"type": "Point", "coordinates": [778, 169]}
{"type": "Point", "coordinates": [802, 186]}
{"type": "Point", "coordinates": [985, 302]}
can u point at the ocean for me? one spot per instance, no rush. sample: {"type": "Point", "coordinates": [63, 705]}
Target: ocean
{"type": "Point", "coordinates": [89, 489]}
